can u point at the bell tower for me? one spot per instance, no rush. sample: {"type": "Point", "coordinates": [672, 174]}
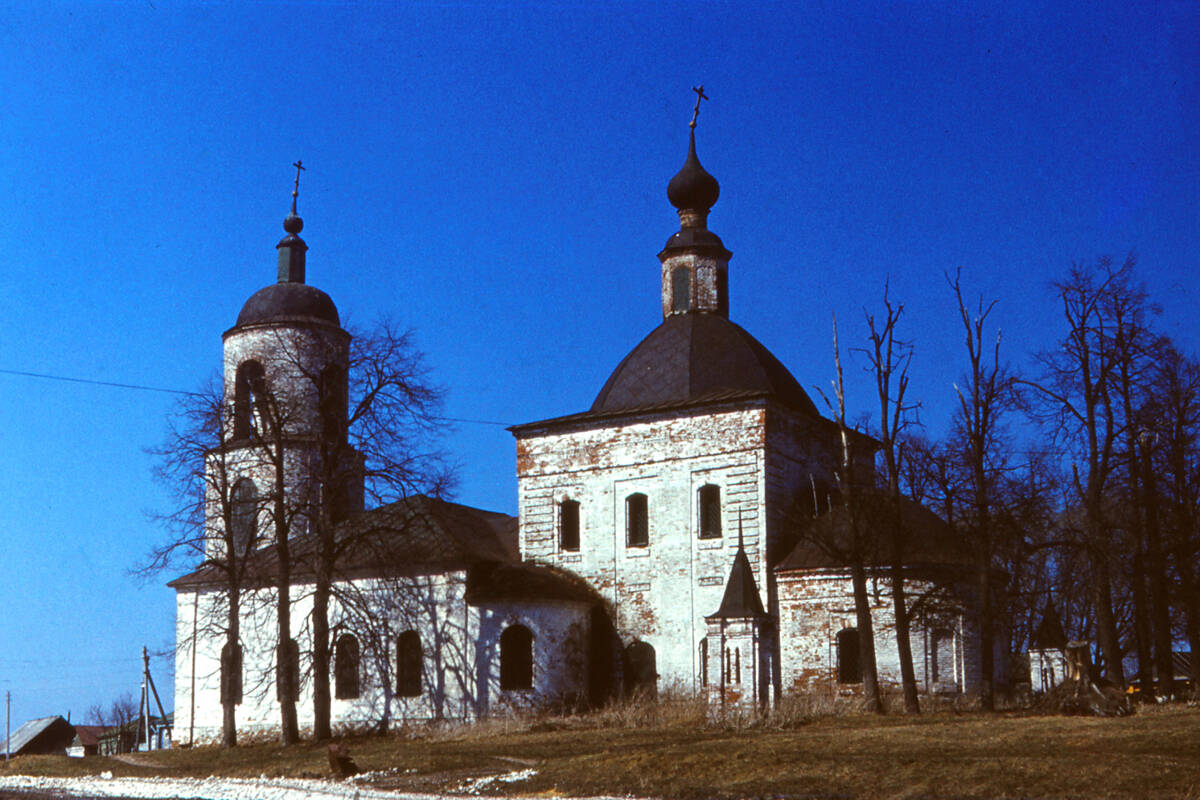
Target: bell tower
{"type": "Point", "coordinates": [285, 393]}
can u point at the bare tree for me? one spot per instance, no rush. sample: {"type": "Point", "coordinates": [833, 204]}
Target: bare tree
{"type": "Point", "coordinates": [1176, 458]}
{"type": "Point", "coordinates": [379, 426]}
{"type": "Point", "coordinates": [889, 359]}
{"type": "Point", "coordinates": [853, 544]}
{"type": "Point", "coordinates": [1083, 410]}
{"type": "Point", "coordinates": [982, 399]}
{"type": "Point", "coordinates": [214, 523]}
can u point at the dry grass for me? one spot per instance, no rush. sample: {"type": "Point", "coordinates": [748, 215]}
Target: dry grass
{"type": "Point", "coordinates": [666, 750]}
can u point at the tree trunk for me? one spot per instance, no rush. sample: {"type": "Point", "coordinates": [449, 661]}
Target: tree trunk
{"type": "Point", "coordinates": [987, 638]}
{"type": "Point", "coordinates": [289, 729]}
{"type": "Point", "coordinates": [1106, 620]}
{"type": "Point", "coordinates": [1160, 603]}
{"type": "Point", "coordinates": [866, 639]}
{"type": "Point", "coordinates": [1141, 627]}
{"type": "Point", "coordinates": [228, 706]}
{"type": "Point", "coordinates": [322, 701]}
{"type": "Point", "coordinates": [908, 677]}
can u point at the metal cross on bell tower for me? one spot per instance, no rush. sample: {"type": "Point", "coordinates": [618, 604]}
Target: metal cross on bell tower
{"type": "Point", "coordinates": [296, 189]}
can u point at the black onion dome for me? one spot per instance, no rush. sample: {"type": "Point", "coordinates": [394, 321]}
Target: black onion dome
{"type": "Point", "coordinates": [697, 357]}
{"type": "Point", "coordinates": [692, 186]}
{"type": "Point", "coordinates": [288, 302]}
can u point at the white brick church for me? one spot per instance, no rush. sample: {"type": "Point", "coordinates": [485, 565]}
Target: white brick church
{"type": "Point", "coordinates": [658, 546]}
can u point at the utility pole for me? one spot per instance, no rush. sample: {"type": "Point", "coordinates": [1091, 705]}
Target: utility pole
{"type": "Point", "coordinates": [149, 689]}
{"type": "Point", "coordinates": [7, 717]}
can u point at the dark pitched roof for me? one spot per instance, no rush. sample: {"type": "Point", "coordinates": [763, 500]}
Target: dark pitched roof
{"type": "Point", "coordinates": [1050, 634]}
{"type": "Point", "coordinates": [525, 582]}
{"type": "Point", "coordinates": [414, 535]}
{"type": "Point", "coordinates": [929, 541]}
{"type": "Point", "coordinates": [691, 361]}
{"type": "Point", "coordinates": [741, 593]}
{"type": "Point", "coordinates": [42, 735]}
{"type": "Point", "coordinates": [691, 357]}
{"type": "Point", "coordinates": [88, 735]}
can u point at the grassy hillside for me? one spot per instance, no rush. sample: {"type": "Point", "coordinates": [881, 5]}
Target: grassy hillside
{"type": "Point", "coordinates": [1155, 753]}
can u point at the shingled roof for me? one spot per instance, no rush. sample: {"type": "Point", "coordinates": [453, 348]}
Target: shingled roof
{"type": "Point", "coordinates": [929, 541]}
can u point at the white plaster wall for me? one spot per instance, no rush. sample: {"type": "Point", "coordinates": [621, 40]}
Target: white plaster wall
{"type": "Point", "coordinates": [658, 594]}
{"type": "Point", "coordinates": [460, 644]}
{"type": "Point", "coordinates": [1047, 669]}
{"type": "Point", "coordinates": [815, 605]}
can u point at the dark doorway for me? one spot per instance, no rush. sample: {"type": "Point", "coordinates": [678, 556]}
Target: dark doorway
{"type": "Point", "coordinates": [641, 670]}
{"type": "Point", "coordinates": [602, 650]}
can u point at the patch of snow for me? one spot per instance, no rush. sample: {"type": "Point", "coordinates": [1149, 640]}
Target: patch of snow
{"type": "Point", "coordinates": [201, 789]}
{"type": "Point", "coordinates": [477, 785]}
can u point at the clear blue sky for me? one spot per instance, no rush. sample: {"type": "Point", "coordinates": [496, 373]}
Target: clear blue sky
{"type": "Point", "coordinates": [493, 175]}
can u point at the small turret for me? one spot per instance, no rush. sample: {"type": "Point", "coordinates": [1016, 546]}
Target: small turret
{"type": "Point", "coordinates": [291, 247]}
{"type": "Point", "coordinates": [695, 264]}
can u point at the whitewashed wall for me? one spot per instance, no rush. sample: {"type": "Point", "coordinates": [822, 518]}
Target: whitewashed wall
{"type": "Point", "coordinates": [659, 594]}
{"type": "Point", "coordinates": [460, 644]}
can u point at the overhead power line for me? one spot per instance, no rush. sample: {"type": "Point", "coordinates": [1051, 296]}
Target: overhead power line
{"type": "Point", "coordinates": [66, 379]}
{"type": "Point", "coordinates": [142, 388]}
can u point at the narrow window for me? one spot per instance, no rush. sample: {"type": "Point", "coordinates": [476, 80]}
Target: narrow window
{"type": "Point", "coordinates": [231, 674]}
{"type": "Point", "coordinates": [243, 516]}
{"type": "Point", "coordinates": [568, 525]}
{"type": "Point", "coordinates": [941, 656]}
{"type": "Point", "coordinates": [516, 658]}
{"type": "Point", "coordinates": [248, 391]}
{"type": "Point", "coordinates": [345, 667]}
{"type": "Point", "coordinates": [637, 524]}
{"type": "Point", "coordinates": [332, 404]}
{"type": "Point", "coordinates": [287, 671]}
{"type": "Point", "coordinates": [737, 665]}
{"type": "Point", "coordinates": [704, 661]}
{"type": "Point", "coordinates": [848, 665]}
{"type": "Point", "coordinates": [681, 289]}
{"type": "Point", "coordinates": [709, 500]}
{"type": "Point", "coordinates": [408, 664]}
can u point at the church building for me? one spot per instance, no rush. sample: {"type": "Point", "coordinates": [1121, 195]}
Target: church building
{"type": "Point", "coordinates": [663, 541]}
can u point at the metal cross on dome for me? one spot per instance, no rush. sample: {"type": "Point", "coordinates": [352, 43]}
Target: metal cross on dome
{"type": "Point", "coordinates": [700, 95]}
{"type": "Point", "coordinates": [296, 189]}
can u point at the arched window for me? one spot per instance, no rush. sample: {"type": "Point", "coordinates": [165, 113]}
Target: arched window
{"type": "Point", "coordinates": [568, 525]}
{"type": "Point", "coordinates": [637, 522]}
{"type": "Point", "coordinates": [287, 671]}
{"type": "Point", "coordinates": [681, 289]}
{"type": "Point", "coordinates": [516, 658]}
{"type": "Point", "coordinates": [231, 673]}
{"type": "Point", "coordinates": [709, 501]}
{"type": "Point", "coordinates": [248, 392]}
{"type": "Point", "coordinates": [408, 664]}
{"type": "Point", "coordinates": [345, 667]}
{"type": "Point", "coordinates": [243, 516]}
{"type": "Point", "coordinates": [704, 661]}
{"type": "Point", "coordinates": [641, 668]}
{"type": "Point", "coordinates": [849, 669]}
